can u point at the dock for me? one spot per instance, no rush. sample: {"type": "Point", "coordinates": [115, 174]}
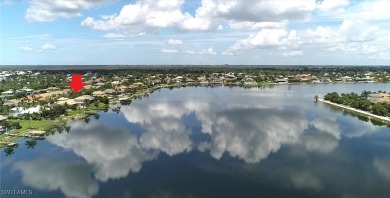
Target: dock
{"type": "Point", "coordinates": [15, 135]}
{"type": "Point", "coordinates": [9, 144]}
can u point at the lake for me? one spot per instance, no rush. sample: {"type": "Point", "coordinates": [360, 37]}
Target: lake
{"type": "Point", "coordinates": [272, 141]}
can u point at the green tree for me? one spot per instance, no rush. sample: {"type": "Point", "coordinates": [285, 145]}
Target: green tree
{"type": "Point", "coordinates": [379, 109]}
{"type": "Point", "coordinates": [96, 103]}
{"type": "Point", "coordinates": [96, 116]}
{"type": "Point", "coordinates": [31, 143]}
{"type": "Point", "coordinates": [9, 151]}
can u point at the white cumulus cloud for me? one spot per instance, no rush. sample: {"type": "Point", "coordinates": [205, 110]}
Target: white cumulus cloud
{"type": "Point", "coordinates": [333, 5]}
{"type": "Point", "coordinates": [208, 51]}
{"type": "Point", "coordinates": [175, 42]}
{"type": "Point", "coordinates": [267, 38]}
{"type": "Point", "coordinates": [49, 11]}
{"type": "Point", "coordinates": [48, 46]}
{"type": "Point", "coordinates": [26, 48]}
{"type": "Point", "coordinates": [169, 51]}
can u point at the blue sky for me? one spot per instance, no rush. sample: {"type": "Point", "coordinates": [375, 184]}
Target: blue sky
{"type": "Point", "coordinates": [259, 32]}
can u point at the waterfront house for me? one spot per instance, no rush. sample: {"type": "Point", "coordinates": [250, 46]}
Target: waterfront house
{"type": "Point", "coordinates": [98, 93]}
{"type": "Point", "coordinates": [301, 78]}
{"type": "Point", "coordinates": [178, 79]}
{"type": "Point", "coordinates": [346, 79]}
{"type": "Point", "coordinates": [8, 93]}
{"type": "Point", "coordinates": [190, 81]}
{"type": "Point", "coordinates": [282, 80]}
{"type": "Point", "coordinates": [67, 101]}
{"type": "Point", "coordinates": [84, 100]}
{"type": "Point", "coordinates": [202, 78]}
{"type": "Point", "coordinates": [325, 80]}
{"type": "Point", "coordinates": [110, 91]}
{"type": "Point", "coordinates": [25, 90]}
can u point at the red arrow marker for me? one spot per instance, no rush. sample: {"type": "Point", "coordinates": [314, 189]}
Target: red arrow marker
{"type": "Point", "coordinates": [77, 83]}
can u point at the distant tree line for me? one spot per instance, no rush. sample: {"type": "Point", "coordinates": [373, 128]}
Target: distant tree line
{"type": "Point", "coordinates": [359, 102]}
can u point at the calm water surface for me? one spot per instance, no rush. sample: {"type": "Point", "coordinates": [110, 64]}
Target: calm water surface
{"type": "Point", "coordinates": [273, 141]}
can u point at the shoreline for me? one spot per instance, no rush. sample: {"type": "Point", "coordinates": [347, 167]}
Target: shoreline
{"type": "Point", "coordinates": [44, 125]}
{"type": "Point", "coordinates": [79, 114]}
{"type": "Point", "coordinates": [365, 113]}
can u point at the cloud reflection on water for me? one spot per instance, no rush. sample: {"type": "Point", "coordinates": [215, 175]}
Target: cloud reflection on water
{"type": "Point", "coordinates": [111, 150]}
{"type": "Point", "coordinates": [382, 165]}
{"type": "Point", "coordinates": [250, 134]}
{"type": "Point", "coordinates": [72, 178]}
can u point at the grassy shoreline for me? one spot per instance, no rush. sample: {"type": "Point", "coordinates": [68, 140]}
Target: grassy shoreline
{"type": "Point", "coordinates": [46, 125]}
{"type": "Point", "coordinates": [358, 112]}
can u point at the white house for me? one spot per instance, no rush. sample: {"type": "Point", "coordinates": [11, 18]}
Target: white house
{"type": "Point", "coordinates": [346, 78]}
{"type": "Point", "coordinates": [28, 92]}
{"type": "Point", "coordinates": [282, 80]}
{"type": "Point", "coordinates": [178, 79]}
{"type": "Point", "coordinates": [8, 93]}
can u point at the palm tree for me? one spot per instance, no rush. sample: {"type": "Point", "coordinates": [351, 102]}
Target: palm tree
{"type": "Point", "coordinates": [9, 151]}
{"type": "Point", "coordinates": [96, 116]}
{"type": "Point", "coordinates": [59, 129]}
{"type": "Point", "coordinates": [86, 120]}
{"type": "Point", "coordinates": [116, 110]}
{"type": "Point", "coordinates": [67, 128]}
{"type": "Point", "coordinates": [31, 143]}
{"type": "Point", "coordinates": [52, 131]}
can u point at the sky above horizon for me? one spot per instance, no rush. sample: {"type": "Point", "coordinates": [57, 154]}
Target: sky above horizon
{"type": "Point", "coordinates": [256, 32]}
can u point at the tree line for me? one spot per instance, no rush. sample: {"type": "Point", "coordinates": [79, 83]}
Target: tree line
{"type": "Point", "coordinates": [359, 102]}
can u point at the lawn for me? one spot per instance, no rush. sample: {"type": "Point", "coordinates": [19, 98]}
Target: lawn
{"type": "Point", "coordinates": [34, 124]}
{"type": "Point", "coordinates": [76, 112]}
{"type": "Point", "coordinates": [26, 125]}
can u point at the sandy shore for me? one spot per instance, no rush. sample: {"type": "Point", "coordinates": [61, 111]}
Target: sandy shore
{"type": "Point", "coordinates": [356, 110]}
